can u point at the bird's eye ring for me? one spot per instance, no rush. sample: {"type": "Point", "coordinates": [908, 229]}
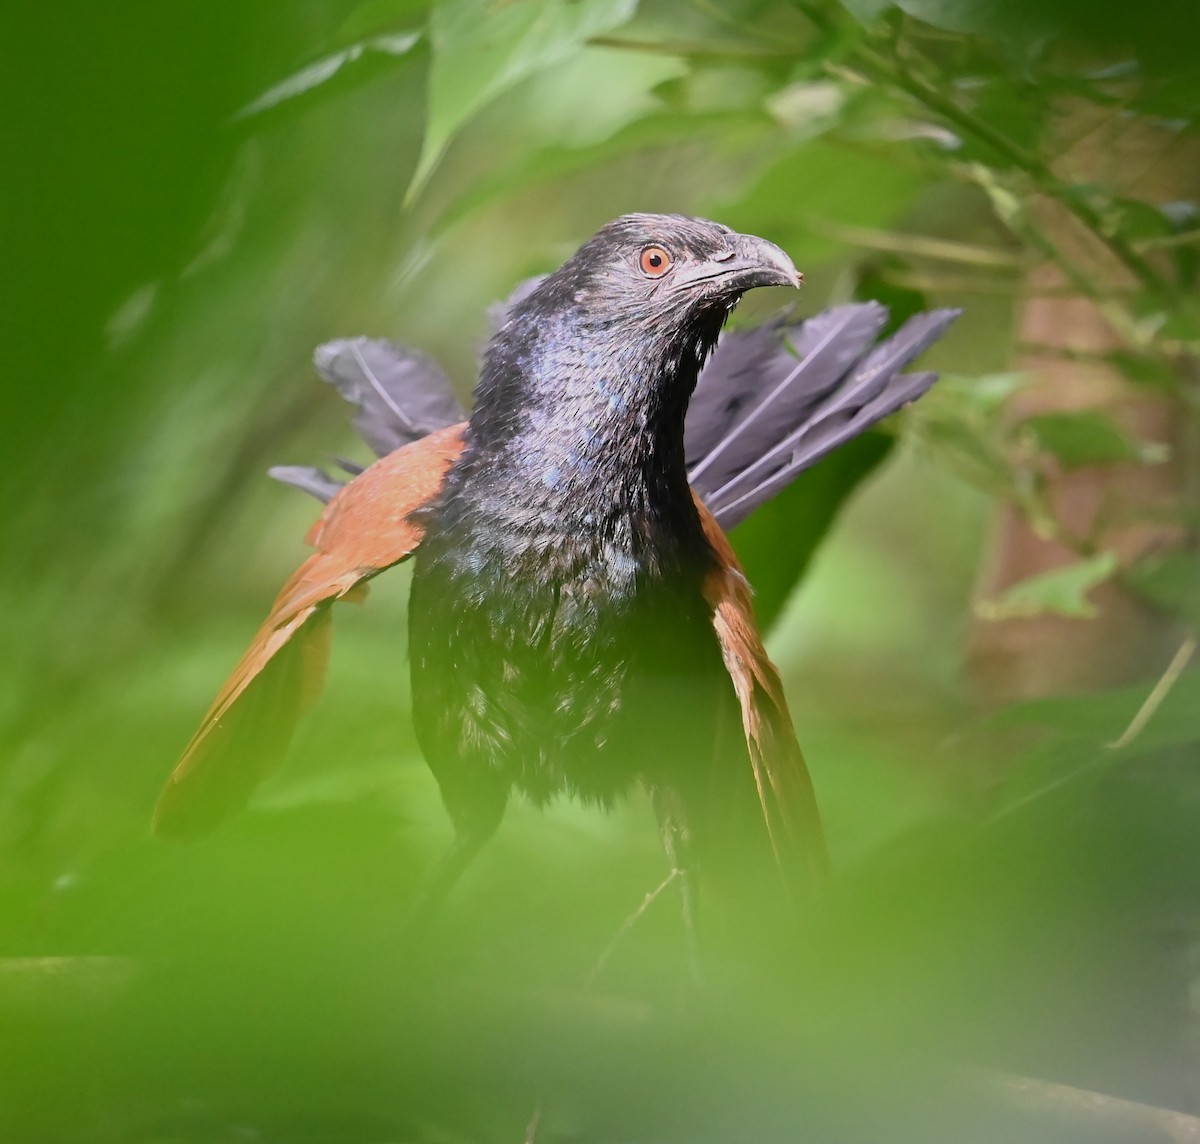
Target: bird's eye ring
{"type": "Point", "coordinates": [654, 262]}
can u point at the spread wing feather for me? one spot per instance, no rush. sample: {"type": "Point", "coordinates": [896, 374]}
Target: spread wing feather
{"type": "Point", "coordinates": [367, 527]}
{"type": "Point", "coordinates": [399, 393]}
{"type": "Point", "coordinates": [811, 386]}
{"type": "Point", "coordinates": [771, 401]}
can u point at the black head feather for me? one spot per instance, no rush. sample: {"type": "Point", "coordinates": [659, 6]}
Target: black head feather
{"type": "Point", "coordinates": [616, 336]}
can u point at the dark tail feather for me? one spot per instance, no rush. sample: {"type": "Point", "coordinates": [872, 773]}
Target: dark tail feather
{"type": "Point", "coordinates": [835, 391]}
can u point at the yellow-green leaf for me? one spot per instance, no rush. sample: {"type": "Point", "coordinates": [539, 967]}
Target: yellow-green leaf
{"type": "Point", "coordinates": [1061, 592]}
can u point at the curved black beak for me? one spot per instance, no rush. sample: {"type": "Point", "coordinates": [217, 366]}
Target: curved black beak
{"type": "Point", "coordinates": [757, 262]}
{"type": "Point", "coordinates": [747, 262]}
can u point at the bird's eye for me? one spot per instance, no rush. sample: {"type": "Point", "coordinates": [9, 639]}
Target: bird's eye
{"type": "Point", "coordinates": [654, 262]}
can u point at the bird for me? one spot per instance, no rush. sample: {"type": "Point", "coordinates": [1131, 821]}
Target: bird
{"type": "Point", "coordinates": [579, 623]}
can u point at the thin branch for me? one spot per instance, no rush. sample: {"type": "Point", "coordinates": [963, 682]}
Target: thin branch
{"type": "Point", "coordinates": [1131, 1118]}
{"type": "Point", "coordinates": [1157, 694]}
{"type": "Point", "coordinates": [1122, 322]}
{"type": "Point", "coordinates": [920, 245]}
{"type": "Point", "coordinates": [535, 1121]}
{"type": "Point", "coordinates": [593, 976]}
{"type": "Point", "coordinates": [626, 926]}
{"type": "Point", "coordinates": [1065, 353]}
{"type": "Point", "coordinates": [690, 49]}
{"type": "Point", "coordinates": [912, 81]}
{"type": "Point", "coordinates": [950, 284]}
{"type": "Point", "coordinates": [1169, 241]}
{"type": "Point", "coordinates": [1046, 181]}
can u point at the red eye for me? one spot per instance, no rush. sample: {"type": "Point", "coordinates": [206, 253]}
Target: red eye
{"type": "Point", "coordinates": [654, 262]}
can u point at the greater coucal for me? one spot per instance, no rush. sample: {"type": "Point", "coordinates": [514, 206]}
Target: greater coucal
{"type": "Point", "coordinates": [578, 620]}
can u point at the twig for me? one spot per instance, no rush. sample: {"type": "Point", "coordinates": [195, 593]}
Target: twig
{"type": "Point", "coordinates": [1131, 1117]}
{"type": "Point", "coordinates": [1168, 241]}
{"type": "Point", "coordinates": [1157, 694]}
{"type": "Point", "coordinates": [1066, 353]}
{"type": "Point", "coordinates": [594, 974]}
{"type": "Point", "coordinates": [1046, 181]}
{"type": "Point", "coordinates": [690, 49]}
{"type": "Point", "coordinates": [626, 926]}
{"type": "Point", "coordinates": [920, 245]}
{"type": "Point", "coordinates": [982, 285]}
{"type": "Point", "coordinates": [908, 78]}
{"type": "Point", "coordinates": [1143, 716]}
{"type": "Point", "coordinates": [531, 1129]}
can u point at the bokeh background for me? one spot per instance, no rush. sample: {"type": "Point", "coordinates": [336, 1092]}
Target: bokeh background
{"type": "Point", "coordinates": [984, 612]}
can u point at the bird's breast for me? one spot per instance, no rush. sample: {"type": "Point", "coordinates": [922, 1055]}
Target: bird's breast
{"type": "Point", "coordinates": [543, 643]}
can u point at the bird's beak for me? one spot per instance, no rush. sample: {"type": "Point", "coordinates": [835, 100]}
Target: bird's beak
{"type": "Point", "coordinates": [749, 261]}
{"type": "Point", "coordinates": [757, 262]}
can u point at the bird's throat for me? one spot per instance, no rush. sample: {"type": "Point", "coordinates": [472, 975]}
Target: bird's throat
{"type": "Point", "coordinates": [588, 425]}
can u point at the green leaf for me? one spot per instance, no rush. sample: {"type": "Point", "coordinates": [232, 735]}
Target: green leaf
{"type": "Point", "coordinates": [1061, 592]}
{"type": "Point", "coordinates": [866, 11]}
{"type": "Point", "coordinates": [1084, 438]}
{"type": "Point", "coordinates": [806, 110]}
{"type": "Point", "coordinates": [1170, 581]}
{"type": "Point", "coordinates": [659, 131]}
{"type": "Point", "coordinates": [822, 180]}
{"type": "Point", "coordinates": [323, 70]}
{"type": "Point", "coordinates": [375, 17]}
{"type": "Point", "coordinates": [1143, 368]}
{"type": "Point", "coordinates": [986, 394]}
{"type": "Point", "coordinates": [481, 48]}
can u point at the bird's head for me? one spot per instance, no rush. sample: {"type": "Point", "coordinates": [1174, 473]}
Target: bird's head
{"type": "Point", "coordinates": [667, 271]}
{"type": "Point", "coordinates": [615, 338]}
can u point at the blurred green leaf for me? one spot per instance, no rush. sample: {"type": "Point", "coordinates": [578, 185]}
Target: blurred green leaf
{"type": "Point", "coordinates": [823, 180]}
{"type": "Point", "coordinates": [1085, 437]}
{"type": "Point", "coordinates": [963, 423]}
{"type": "Point", "coordinates": [1169, 580]}
{"type": "Point", "coordinates": [375, 17]}
{"type": "Point", "coordinates": [959, 15]}
{"type": "Point", "coordinates": [1145, 369]}
{"type": "Point", "coordinates": [1061, 592]}
{"type": "Point", "coordinates": [806, 110]}
{"type": "Point", "coordinates": [306, 79]}
{"type": "Point", "coordinates": [987, 394]}
{"type": "Point", "coordinates": [481, 48]}
{"type": "Point", "coordinates": [1182, 322]}
{"type": "Point", "coordinates": [651, 133]}
{"type": "Point", "coordinates": [867, 11]}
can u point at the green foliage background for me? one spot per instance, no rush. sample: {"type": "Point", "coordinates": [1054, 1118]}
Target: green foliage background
{"type": "Point", "coordinates": [198, 194]}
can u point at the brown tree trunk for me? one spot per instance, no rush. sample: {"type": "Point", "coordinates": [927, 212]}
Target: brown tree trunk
{"type": "Point", "coordinates": [1130, 509]}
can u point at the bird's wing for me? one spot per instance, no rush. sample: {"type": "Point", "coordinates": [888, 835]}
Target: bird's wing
{"type": "Point", "coordinates": [785, 791]}
{"type": "Point", "coordinates": [399, 393]}
{"type": "Point", "coordinates": [775, 400]}
{"type": "Point", "coordinates": [367, 527]}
